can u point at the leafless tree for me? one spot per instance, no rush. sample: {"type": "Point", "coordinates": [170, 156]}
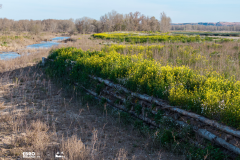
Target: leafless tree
{"type": "Point", "coordinates": [165, 23]}
{"type": "Point", "coordinates": [84, 25]}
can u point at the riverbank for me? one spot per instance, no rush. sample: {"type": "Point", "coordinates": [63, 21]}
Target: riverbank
{"type": "Point", "coordinates": [16, 43]}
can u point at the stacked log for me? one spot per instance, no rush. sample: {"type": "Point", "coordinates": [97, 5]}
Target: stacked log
{"type": "Point", "coordinates": [146, 100]}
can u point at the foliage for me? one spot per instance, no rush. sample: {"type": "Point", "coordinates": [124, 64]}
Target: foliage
{"type": "Point", "coordinates": [151, 38]}
{"type": "Point", "coordinates": [147, 51]}
{"type": "Point", "coordinates": [210, 95]}
{"type": "Point", "coordinates": [87, 64]}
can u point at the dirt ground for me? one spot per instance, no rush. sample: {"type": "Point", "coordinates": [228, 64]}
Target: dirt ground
{"type": "Point", "coordinates": [38, 115]}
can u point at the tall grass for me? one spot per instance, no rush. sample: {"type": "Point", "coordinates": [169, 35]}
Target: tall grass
{"type": "Point", "coordinates": [206, 57]}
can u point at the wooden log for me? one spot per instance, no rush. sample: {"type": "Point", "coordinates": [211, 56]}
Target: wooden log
{"type": "Point", "coordinates": [115, 95]}
{"type": "Point", "coordinates": [213, 138]}
{"type": "Point", "coordinates": [208, 121]}
{"type": "Point", "coordinates": [202, 132]}
{"type": "Point", "coordinates": [117, 86]}
{"type": "Point", "coordinates": [175, 109]}
{"type": "Point", "coordinates": [143, 97]}
{"type": "Point", "coordinates": [166, 106]}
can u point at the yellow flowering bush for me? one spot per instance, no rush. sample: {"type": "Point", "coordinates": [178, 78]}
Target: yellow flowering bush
{"type": "Point", "coordinates": [211, 94]}
{"type": "Point", "coordinates": [146, 51]}
{"type": "Point", "coordinates": [151, 38]}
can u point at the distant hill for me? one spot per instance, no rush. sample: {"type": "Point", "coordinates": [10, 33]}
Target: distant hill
{"type": "Point", "coordinates": [211, 23]}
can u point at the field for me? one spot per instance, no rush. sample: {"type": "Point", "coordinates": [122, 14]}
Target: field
{"type": "Point", "coordinates": [193, 73]}
{"type": "Point", "coordinates": [40, 115]}
{"type": "Point", "coordinates": [182, 86]}
{"type": "Point", "coordinates": [230, 34]}
{"type": "Point", "coordinates": [199, 77]}
{"type": "Point", "coordinates": [153, 37]}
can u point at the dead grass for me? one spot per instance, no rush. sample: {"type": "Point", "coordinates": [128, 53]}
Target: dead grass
{"type": "Point", "coordinates": [19, 44]}
{"type": "Point", "coordinates": [74, 148]}
{"type": "Point", "coordinates": [40, 116]}
{"type": "Point", "coordinates": [85, 42]}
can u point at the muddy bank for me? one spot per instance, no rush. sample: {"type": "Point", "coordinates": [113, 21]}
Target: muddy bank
{"type": "Point", "coordinates": [69, 40]}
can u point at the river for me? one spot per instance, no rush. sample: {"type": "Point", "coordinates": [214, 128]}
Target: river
{"type": "Point", "coordinates": [49, 44]}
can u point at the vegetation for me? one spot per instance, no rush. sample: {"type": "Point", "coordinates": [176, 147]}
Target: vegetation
{"type": "Point", "coordinates": [209, 33]}
{"type": "Point", "coordinates": [109, 22]}
{"type": "Point", "coordinates": [202, 27]}
{"type": "Point", "coordinates": [152, 38]}
{"type": "Point", "coordinates": [200, 77]}
{"type": "Point", "coordinates": [211, 94]}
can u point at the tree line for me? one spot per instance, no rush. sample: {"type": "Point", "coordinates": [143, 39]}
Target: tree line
{"type": "Point", "coordinates": [204, 28]}
{"type": "Point", "coordinates": [36, 26]}
{"type": "Point", "coordinates": [109, 22]}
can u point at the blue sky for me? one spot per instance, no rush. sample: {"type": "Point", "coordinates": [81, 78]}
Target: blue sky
{"type": "Point", "coordinates": [179, 10]}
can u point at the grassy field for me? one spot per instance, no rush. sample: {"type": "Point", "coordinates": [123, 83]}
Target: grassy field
{"type": "Point", "coordinates": [142, 37]}
{"type": "Point", "coordinates": [230, 34]}
{"type": "Point", "coordinates": [198, 76]}
{"type": "Point", "coordinates": [40, 115]}
{"type": "Point", "coordinates": [182, 86]}
{"type": "Point", "coordinates": [201, 77]}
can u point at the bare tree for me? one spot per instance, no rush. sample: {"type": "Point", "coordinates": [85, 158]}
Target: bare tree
{"type": "Point", "coordinates": [154, 24]}
{"type": "Point", "coordinates": [84, 25]}
{"type": "Point", "coordinates": [165, 23]}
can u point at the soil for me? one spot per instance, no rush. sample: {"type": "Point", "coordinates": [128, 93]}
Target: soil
{"type": "Point", "coordinates": [27, 96]}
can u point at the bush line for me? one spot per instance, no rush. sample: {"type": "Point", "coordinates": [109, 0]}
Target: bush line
{"type": "Point", "coordinates": [210, 95]}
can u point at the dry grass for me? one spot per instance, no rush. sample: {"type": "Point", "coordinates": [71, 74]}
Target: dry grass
{"type": "Point", "coordinates": [223, 58]}
{"type": "Point", "coordinates": [85, 42]}
{"type": "Point", "coordinates": [39, 116]}
{"type": "Point", "coordinates": [25, 39]}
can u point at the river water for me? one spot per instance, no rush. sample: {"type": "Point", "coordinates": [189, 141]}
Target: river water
{"type": "Point", "coordinates": [49, 44]}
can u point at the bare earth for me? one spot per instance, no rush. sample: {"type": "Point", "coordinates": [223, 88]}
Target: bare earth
{"type": "Point", "coordinates": [37, 115]}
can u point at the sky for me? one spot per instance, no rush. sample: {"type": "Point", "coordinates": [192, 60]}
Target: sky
{"type": "Point", "coordinates": [180, 11]}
